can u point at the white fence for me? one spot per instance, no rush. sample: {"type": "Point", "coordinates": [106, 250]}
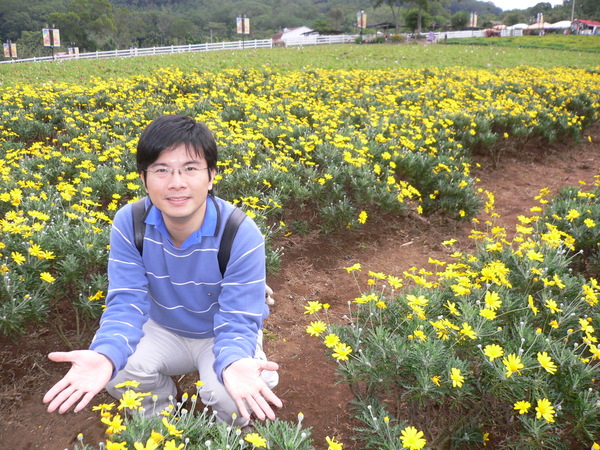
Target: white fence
{"type": "Point", "coordinates": [473, 33]}
{"type": "Point", "coordinates": [132, 52]}
{"type": "Point", "coordinates": [318, 40]}
{"type": "Point", "coordinates": [207, 47]}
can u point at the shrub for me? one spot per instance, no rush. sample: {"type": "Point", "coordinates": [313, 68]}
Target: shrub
{"type": "Point", "coordinates": [497, 345]}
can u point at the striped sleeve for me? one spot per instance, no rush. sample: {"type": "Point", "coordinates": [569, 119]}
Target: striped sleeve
{"type": "Point", "coordinates": [127, 301]}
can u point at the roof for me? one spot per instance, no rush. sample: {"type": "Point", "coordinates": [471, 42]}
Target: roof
{"type": "Point", "coordinates": [537, 26]}
{"type": "Point", "coordinates": [518, 26]}
{"type": "Point", "coordinates": [561, 24]}
{"type": "Point", "coordinates": [384, 25]}
{"type": "Point", "coordinates": [279, 36]}
{"type": "Point", "coordinates": [592, 23]}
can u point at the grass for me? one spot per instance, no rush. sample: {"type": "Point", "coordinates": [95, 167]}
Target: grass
{"type": "Point", "coordinates": [479, 55]}
{"type": "Point", "coordinates": [568, 43]}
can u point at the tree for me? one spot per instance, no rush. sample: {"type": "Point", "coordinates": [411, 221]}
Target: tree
{"type": "Point", "coordinates": [72, 30]}
{"type": "Point", "coordinates": [460, 20]}
{"type": "Point", "coordinates": [30, 44]}
{"type": "Point", "coordinates": [423, 5]}
{"type": "Point", "coordinates": [542, 7]}
{"type": "Point", "coordinates": [336, 18]}
{"type": "Point", "coordinates": [415, 19]}
{"type": "Point", "coordinates": [440, 14]}
{"type": "Point", "coordinates": [586, 9]}
{"type": "Point", "coordinates": [394, 5]}
{"type": "Point", "coordinates": [513, 18]}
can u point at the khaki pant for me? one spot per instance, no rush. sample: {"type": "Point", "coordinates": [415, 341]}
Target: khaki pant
{"type": "Point", "coordinates": [162, 354]}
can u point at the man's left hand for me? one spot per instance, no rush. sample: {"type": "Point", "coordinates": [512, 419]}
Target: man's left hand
{"type": "Point", "coordinates": [244, 383]}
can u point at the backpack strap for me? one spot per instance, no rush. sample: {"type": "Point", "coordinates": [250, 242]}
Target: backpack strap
{"type": "Point", "coordinates": [231, 227]}
{"type": "Point", "coordinates": [139, 213]}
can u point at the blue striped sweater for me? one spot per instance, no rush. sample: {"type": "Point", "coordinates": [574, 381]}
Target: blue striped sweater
{"type": "Point", "coordinates": [182, 288]}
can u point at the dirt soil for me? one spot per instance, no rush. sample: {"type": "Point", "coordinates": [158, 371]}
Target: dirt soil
{"type": "Point", "coordinates": [312, 269]}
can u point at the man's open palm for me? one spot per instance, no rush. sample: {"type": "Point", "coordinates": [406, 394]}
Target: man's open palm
{"type": "Point", "coordinates": [89, 373]}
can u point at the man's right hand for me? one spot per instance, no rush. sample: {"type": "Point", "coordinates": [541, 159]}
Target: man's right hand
{"type": "Point", "coordinates": [90, 372]}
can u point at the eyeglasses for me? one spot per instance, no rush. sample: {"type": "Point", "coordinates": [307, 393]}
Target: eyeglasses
{"type": "Point", "coordinates": [186, 171]}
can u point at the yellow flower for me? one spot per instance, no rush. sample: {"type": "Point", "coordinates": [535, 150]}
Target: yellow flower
{"type": "Point", "coordinates": [488, 314]}
{"type": "Point", "coordinates": [535, 256]}
{"type": "Point", "coordinates": [17, 258]}
{"type": "Point", "coordinates": [532, 305]}
{"type": "Point", "coordinates": [313, 307]}
{"type": "Point", "coordinates": [513, 364]}
{"type": "Point", "coordinates": [172, 445]}
{"type": "Point", "coordinates": [492, 300]}
{"type": "Point", "coordinates": [332, 444]}
{"type": "Point", "coordinates": [572, 215]}
{"type": "Point", "coordinates": [381, 304]}
{"type": "Point", "coordinates": [486, 438]}
{"type": "Point", "coordinates": [522, 406]}
{"type": "Point", "coordinates": [116, 445]}
{"type": "Point", "coordinates": [395, 282]}
{"type": "Point", "coordinates": [468, 331]}
{"type": "Point", "coordinates": [418, 334]}
{"type": "Point", "coordinates": [131, 383]}
{"type": "Point", "coordinates": [496, 272]}
{"type": "Point", "coordinates": [256, 440]}
{"type": "Point", "coordinates": [97, 296]}
{"type": "Point", "coordinates": [552, 306]}
{"type": "Point", "coordinates": [115, 424]}
{"type": "Point", "coordinates": [412, 439]}
{"type": "Point", "coordinates": [341, 352]}
{"type": "Point", "coordinates": [47, 277]}
{"type": "Point", "coordinates": [362, 217]}
{"type": "Point", "coordinates": [456, 377]}
{"type": "Point", "coordinates": [355, 267]}
{"type": "Point", "coordinates": [493, 351]}
{"type": "Point", "coordinates": [316, 328]}
{"type": "Point", "coordinates": [546, 362]}
{"type": "Point", "coordinates": [331, 340]}
{"type": "Point", "coordinates": [436, 380]}
{"type": "Point", "coordinates": [150, 445]}
{"type": "Point", "coordinates": [156, 436]}
{"type": "Point", "coordinates": [103, 408]}
{"type": "Point", "coordinates": [172, 429]}
{"type": "Point", "coordinates": [130, 400]}
{"type": "Point", "coordinates": [452, 308]}
{"type": "Point", "coordinates": [545, 410]}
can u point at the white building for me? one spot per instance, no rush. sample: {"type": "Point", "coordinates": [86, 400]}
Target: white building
{"type": "Point", "coordinates": [294, 34]}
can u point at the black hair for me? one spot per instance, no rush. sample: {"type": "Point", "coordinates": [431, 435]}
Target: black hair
{"type": "Point", "coordinates": [170, 131]}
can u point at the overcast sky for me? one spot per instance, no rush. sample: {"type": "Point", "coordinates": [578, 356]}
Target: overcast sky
{"type": "Point", "coordinates": [522, 4]}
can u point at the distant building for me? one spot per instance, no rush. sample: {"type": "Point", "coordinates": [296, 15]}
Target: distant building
{"type": "Point", "coordinates": [586, 26]}
{"type": "Point", "coordinates": [294, 34]}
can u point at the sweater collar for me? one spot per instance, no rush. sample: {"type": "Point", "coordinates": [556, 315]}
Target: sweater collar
{"type": "Point", "coordinates": [208, 227]}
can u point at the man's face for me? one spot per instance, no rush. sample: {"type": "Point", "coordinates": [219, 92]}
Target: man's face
{"type": "Point", "coordinates": [178, 183]}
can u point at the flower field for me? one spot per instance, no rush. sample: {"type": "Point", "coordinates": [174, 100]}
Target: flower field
{"type": "Point", "coordinates": [511, 325]}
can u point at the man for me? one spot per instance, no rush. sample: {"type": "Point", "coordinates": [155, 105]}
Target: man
{"type": "Point", "coordinates": [169, 310]}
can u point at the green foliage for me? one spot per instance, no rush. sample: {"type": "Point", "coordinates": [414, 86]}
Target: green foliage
{"type": "Point", "coordinates": [500, 344]}
{"type": "Point", "coordinates": [578, 214]}
{"type": "Point", "coordinates": [567, 43]}
{"type": "Point", "coordinates": [183, 423]}
{"type": "Point", "coordinates": [460, 20]}
{"type": "Point", "coordinates": [417, 19]}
